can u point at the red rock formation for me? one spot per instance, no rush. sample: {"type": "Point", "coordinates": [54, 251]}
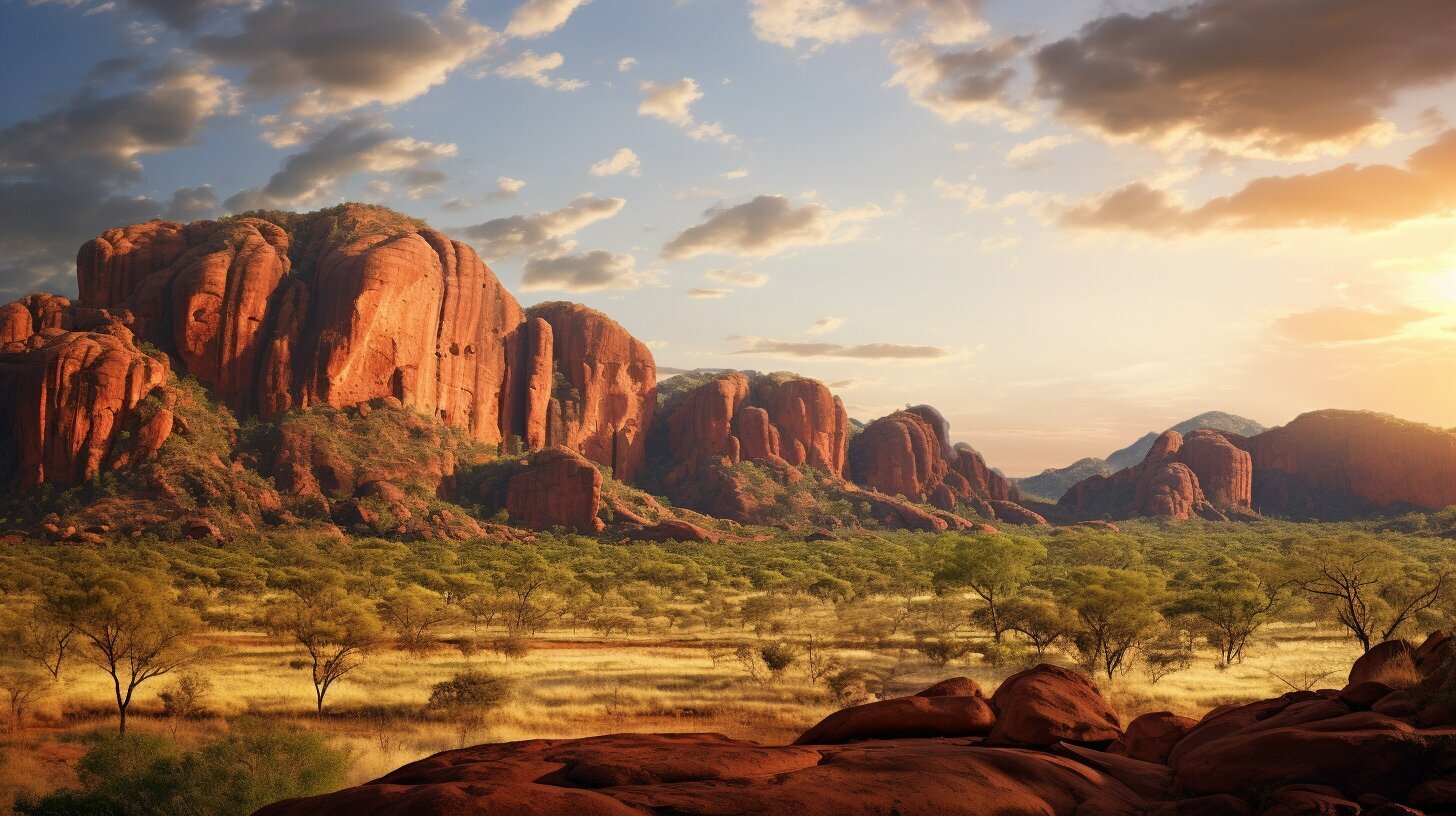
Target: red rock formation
{"type": "Point", "coordinates": [557, 488]}
{"type": "Point", "coordinates": [357, 303]}
{"type": "Point", "coordinates": [605, 403]}
{"type": "Point", "coordinates": [909, 454]}
{"type": "Point", "coordinates": [1335, 464]}
{"type": "Point", "coordinates": [920, 715]}
{"type": "Point", "coordinates": [1205, 475]}
{"type": "Point", "coordinates": [781, 422]}
{"type": "Point", "coordinates": [73, 381]}
{"type": "Point", "coordinates": [1151, 737]}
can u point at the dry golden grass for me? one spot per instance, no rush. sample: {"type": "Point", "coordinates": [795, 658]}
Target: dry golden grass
{"type": "Point", "coordinates": [567, 687]}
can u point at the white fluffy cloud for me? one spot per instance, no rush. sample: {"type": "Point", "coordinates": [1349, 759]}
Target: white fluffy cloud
{"type": "Point", "coordinates": [537, 68]}
{"type": "Point", "coordinates": [819, 22]}
{"type": "Point", "coordinates": [767, 225]}
{"type": "Point", "coordinates": [338, 55]}
{"type": "Point", "coordinates": [737, 277]}
{"type": "Point", "coordinates": [542, 233]}
{"type": "Point", "coordinates": [623, 161]}
{"type": "Point", "coordinates": [537, 18]}
{"type": "Point", "coordinates": [585, 272]}
{"type": "Point", "coordinates": [674, 103]}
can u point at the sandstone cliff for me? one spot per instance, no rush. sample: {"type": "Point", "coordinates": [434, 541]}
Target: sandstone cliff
{"type": "Point", "coordinates": [1205, 475]}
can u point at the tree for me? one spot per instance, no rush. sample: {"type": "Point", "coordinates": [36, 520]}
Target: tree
{"type": "Point", "coordinates": [1118, 611]}
{"type": "Point", "coordinates": [41, 633]}
{"type": "Point", "coordinates": [415, 614]}
{"type": "Point", "coordinates": [1232, 606]}
{"type": "Point", "coordinates": [134, 630]}
{"type": "Point", "coordinates": [992, 567]}
{"type": "Point", "coordinates": [1372, 589]}
{"type": "Point", "coordinates": [1041, 620]}
{"type": "Point", "coordinates": [185, 699]}
{"type": "Point", "coordinates": [335, 628]}
{"type": "Point", "coordinates": [23, 686]}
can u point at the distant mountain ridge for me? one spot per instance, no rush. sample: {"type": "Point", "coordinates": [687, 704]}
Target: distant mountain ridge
{"type": "Point", "coordinates": [1051, 484]}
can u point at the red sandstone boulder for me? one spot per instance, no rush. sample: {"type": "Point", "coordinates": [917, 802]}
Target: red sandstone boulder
{"type": "Point", "coordinates": [1049, 704]}
{"type": "Point", "coordinates": [904, 717]}
{"type": "Point", "coordinates": [1374, 663]}
{"type": "Point", "coordinates": [701, 774]}
{"type": "Point", "coordinates": [1151, 737]}
{"type": "Point", "coordinates": [672, 530]}
{"type": "Point", "coordinates": [73, 381]}
{"type": "Point", "coordinates": [557, 488]}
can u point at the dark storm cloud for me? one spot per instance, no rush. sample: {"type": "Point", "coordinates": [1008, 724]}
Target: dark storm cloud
{"type": "Point", "coordinates": [1351, 196]}
{"type": "Point", "coordinates": [1274, 77]}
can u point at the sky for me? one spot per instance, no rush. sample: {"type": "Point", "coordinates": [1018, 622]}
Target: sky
{"type": "Point", "coordinates": [1064, 223]}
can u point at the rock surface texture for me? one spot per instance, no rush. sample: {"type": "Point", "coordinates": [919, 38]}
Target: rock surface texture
{"type": "Point", "coordinates": [1319, 752]}
{"type": "Point", "coordinates": [74, 384]}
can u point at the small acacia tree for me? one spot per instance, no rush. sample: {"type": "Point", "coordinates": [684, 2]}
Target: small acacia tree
{"type": "Point", "coordinates": [1372, 588]}
{"type": "Point", "coordinates": [1118, 611]}
{"type": "Point", "coordinates": [992, 567]}
{"type": "Point", "coordinates": [133, 629]}
{"type": "Point", "coordinates": [335, 628]}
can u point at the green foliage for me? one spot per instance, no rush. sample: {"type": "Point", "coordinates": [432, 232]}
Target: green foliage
{"type": "Point", "coordinates": [470, 691]}
{"type": "Point", "coordinates": [148, 775]}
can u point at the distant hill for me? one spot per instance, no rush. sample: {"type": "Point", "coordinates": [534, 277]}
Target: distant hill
{"type": "Point", "coordinates": [1050, 484]}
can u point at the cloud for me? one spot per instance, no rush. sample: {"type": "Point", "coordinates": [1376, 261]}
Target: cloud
{"type": "Point", "coordinates": [361, 144]}
{"type": "Point", "coordinates": [765, 347]}
{"type": "Point", "coordinates": [1258, 78]}
{"type": "Point", "coordinates": [1351, 196]}
{"type": "Point", "coordinates": [536, 68]}
{"type": "Point", "coordinates": [65, 174]}
{"type": "Point", "coordinates": [673, 103]}
{"type": "Point", "coordinates": [536, 18]}
{"type": "Point", "coordinates": [734, 175]}
{"type": "Point", "coordinates": [767, 225]}
{"type": "Point", "coordinates": [626, 64]}
{"type": "Point", "coordinates": [825, 325]}
{"type": "Point", "coordinates": [542, 232]}
{"type": "Point", "coordinates": [183, 14]}
{"type": "Point", "coordinates": [737, 277]}
{"type": "Point", "coordinates": [1348, 324]}
{"type": "Point", "coordinates": [109, 132]}
{"type": "Point", "coordinates": [344, 54]}
{"type": "Point", "coordinates": [971, 83]}
{"type": "Point", "coordinates": [975, 197]}
{"type": "Point", "coordinates": [709, 294]}
{"type": "Point", "coordinates": [193, 203]}
{"type": "Point", "coordinates": [506, 188]}
{"type": "Point", "coordinates": [587, 272]}
{"type": "Point", "coordinates": [822, 22]}
{"type": "Point", "coordinates": [623, 161]}
{"type": "Point", "coordinates": [1026, 151]}
{"type": "Point", "coordinates": [698, 191]}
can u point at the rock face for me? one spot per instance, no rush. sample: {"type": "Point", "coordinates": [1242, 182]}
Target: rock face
{"type": "Point", "coordinates": [357, 303]}
{"type": "Point", "coordinates": [74, 384]}
{"type": "Point", "coordinates": [909, 454]}
{"type": "Point", "coordinates": [1335, 464]}
{"type": "Point", "coordinates": [1327, 752]}
{"type": "Point", "coordinates": [557, 487]}
{"type": "Point", "coordinates": [781, 422]}
{"type": "Point", "coordinates": [1204, 475]}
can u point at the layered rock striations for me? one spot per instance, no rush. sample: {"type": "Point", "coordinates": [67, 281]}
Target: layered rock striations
{"type": "Point", "coordinates": [74, 383]}
{"type": "Point", "coordinates": [279, 311]}
{"type": "Point", "coordinates": [1204, 475]}
{"type": "Point", "coordinates": [909, 454]}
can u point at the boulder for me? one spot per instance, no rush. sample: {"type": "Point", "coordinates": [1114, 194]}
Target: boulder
{"type": "Point", "coordinates": [1048, 704]}
{"type": "Point", "coordinates": [904, 717]}
{"type": "Point", "coordinates": [557, 488]}
{"type": "Point", "coordinates": [672, 530]}
{"type": "Point", "coordinates": [1151, 737]}
{"type": "Point", "coordinates": [1382, 658]}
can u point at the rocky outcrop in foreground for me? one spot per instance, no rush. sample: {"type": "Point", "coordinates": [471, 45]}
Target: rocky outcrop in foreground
{"type": "Point", "coordinates": [909, 454]}
{"type": "Point", "coordinates": [1045, 743]}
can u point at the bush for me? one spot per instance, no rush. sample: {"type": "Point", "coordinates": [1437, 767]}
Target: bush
{"type": "Point", "coordinates": [147, 774]}
{"type": "Point", "coordinates": [778, 657]}
{"type": "Point", "coordinates": [470, 691]}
